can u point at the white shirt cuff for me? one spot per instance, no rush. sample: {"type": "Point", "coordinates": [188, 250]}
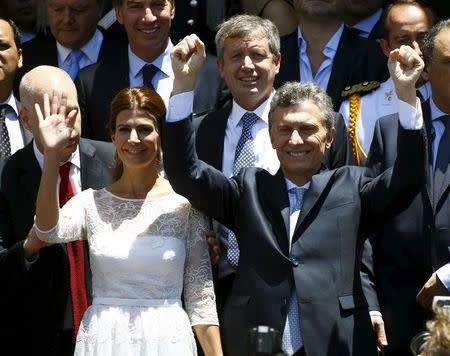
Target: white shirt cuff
{"type": "Point", "coordinates": [443, 274]}
{"type": "Point", "coordinates": [410, 117]}
{"type": "Point", "coordinates": [180, 106]}
{"type": "Point", "coordinates": [375, 313]}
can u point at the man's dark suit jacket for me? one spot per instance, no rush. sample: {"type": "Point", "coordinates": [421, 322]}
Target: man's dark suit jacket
{"type": "Point", "coordinates": [412, 244]}
{"type": "Point", "coordinates": [324, 262]}
{"type": "Point", "coordinates": [34, 299]}
{"type": "Point", "coordinates": [357, 60]}
{"type": "Point", "coordinates": [42, 50]}
{"type": "Point", "coordinates": [99, 83]}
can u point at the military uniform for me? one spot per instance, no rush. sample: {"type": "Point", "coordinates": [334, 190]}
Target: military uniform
{"type": "Point", "coordinates": [365, 103]}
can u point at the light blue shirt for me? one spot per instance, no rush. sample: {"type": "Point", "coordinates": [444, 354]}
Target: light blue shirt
{"type": "Point", "coordinates": [163, 79]}
{"type": "Point", "coordinates": [90, 50]}
{"type": "Point", "coordinates": [366, 26]}
{"type": "Point", "coordinates": [323, 74]}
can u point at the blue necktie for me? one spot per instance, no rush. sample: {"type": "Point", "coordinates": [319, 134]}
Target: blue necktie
{"type": "Point", "coordinates": [74, 67]}
{"type": "Point", "coordinates": [292, 338]}
{"type": "Point", "coordinates": [148, 72]}
{"type": "Point", "coordinates": [443, 156]}
{"type": "Point", "coordinates": [243, 157]}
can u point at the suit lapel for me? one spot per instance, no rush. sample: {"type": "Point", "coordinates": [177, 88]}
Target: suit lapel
{"type": "Point", "coordinates": [426, 111]}
{"type": "Point", "coordinates": [317, 191]}
{"type": "Point", "coordinates": [31, 174]}
{"type": "Point", "coordinates": [91, 174]}
{"type": "Point", "coordinates": [339, 76]}
{"type": "Point", "coordinates": [275, 203]}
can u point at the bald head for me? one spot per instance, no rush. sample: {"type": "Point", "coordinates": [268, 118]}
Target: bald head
{"type": "Point", "coordinates": [33, 86]}
{"type": "Point", "coordinates": [45, 79]}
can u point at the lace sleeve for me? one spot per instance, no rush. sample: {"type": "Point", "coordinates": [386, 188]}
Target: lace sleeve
{"type": "Point", "coordinates": [199, 297]}
{"type": "Point", "coordinates": [71, 223]}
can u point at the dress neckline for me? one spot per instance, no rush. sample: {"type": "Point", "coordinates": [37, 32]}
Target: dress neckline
{"type": "Point", "coordinates": [138, 199]}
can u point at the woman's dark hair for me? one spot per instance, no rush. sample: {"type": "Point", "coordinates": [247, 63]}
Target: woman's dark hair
{"type": "Point", "coordinates": [139, 98]}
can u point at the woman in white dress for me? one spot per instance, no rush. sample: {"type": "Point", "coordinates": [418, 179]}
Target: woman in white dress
{"type": "Point", "coordinates": [146, 243]}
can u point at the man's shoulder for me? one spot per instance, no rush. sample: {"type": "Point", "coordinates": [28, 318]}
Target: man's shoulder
{"type": "Point", "coordinates": [93, 147]}
{"type": "Point", "coordinates": [18, 161]}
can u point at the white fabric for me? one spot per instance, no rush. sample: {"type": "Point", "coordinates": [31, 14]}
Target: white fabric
{"type": "Point", "coordinates": [143, 254]}
{"type": "Point", "coordinates": [378, 103]}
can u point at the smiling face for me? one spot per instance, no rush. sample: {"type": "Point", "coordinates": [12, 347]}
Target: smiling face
{"type": "Point", "coordinates": [147, 23]}
{"type": "Point", "coordinates": [10, 59]}
{"type": "Point", "coordinates": [73, 22]}
{"type": "Point", "coordinates": [249, 68]}
{"type": "Point", "coordinates": [136, 139]}
{"type": "Point", "coordinates": [299, 136]}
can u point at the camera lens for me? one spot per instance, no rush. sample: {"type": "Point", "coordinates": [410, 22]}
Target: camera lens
{"type": "Point", "coordinates": [418, 342]}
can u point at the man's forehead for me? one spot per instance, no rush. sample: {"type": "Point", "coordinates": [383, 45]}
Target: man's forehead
{"type": "Point", "coordinates": [6, 31]}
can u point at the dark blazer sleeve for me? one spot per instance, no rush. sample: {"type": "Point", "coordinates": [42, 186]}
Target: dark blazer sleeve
{"type": "Point", "coordinates": [204, 186]}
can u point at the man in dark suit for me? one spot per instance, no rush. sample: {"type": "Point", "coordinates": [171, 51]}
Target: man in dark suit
{"type": "Point", "coordinates": [219, 133]}
{"type": "Point", "coordinates": [73, 40]}
{"type": "Point", "coordinates": [326, 52]}
{"type": "Point", "coordinates": [411, 250]}
{"type": "Point", "coordinates": [363, 17]}
{"type": "Point", "coordinates": [15, 136]}
{"type": "Point", "coordinates": [299, 257]}
{"type": "Point", "coordinates": [145, 61]}
{"type": "Point", "coordinates": [36, 286]}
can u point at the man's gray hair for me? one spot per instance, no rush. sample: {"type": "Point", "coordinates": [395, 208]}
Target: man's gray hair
{"type": "Point", "coordinates": [430, 39]}
{"type": "Point", "coordinates": [241, 25]}
{"type": "Point", "coordinates": [293, 93]}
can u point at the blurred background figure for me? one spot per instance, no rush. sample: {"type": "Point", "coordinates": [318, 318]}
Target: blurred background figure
{"type": "Point", "coordinates": [363, 16]}
{"type": "Point", "coordinates": [28, 15]}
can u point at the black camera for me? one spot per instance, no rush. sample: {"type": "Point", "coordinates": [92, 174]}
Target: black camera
{"type": "Point", "coordinates": [264, 341]}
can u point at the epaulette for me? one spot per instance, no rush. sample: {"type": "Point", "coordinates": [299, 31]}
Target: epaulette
{"type": "Point", "coordinates": [360, 88]}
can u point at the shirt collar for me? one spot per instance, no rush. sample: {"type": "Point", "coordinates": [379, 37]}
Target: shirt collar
{"type": "Point", "coordinates": [262, 111]}
{"type": "Point", "coordinates": [11, 101]}
{"type": "Point", "coordinates": [366, 26]}
{"type": "Point", "coordinates": [74, 158]}
{"type": "Point", "coordinates": [162, 62]}
{"type": "Point", "coordinates": [436, 113]}
{"type": "Point", "coordinates": [91, 49]}
{"type": "Point", "coordinates": [330, 47]}
{"type": "Point", "coordinates": [290, 185]}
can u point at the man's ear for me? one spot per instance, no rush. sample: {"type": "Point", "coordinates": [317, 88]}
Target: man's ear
{"type": "Point", "coordinates": [330, 137]}
{"type": "Point", "coordinates": [25, 118]}
{"type": "Point", "coordinates": [384, 44]}
{"type": "Point", "coordinates": [219, 63]}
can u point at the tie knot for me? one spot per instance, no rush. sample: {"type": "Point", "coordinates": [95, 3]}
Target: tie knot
{"type": "Point", "coordinates": [298, 192]}
{"type": "Point", "coordinates": [64, 170]}
{"type": "Point", "coordinates": [3, 108]}
{"type": "Point", "coordinates": [248, 120]}
{"type": "Point", "coordinates": [445, 119]}
{"type": "Point", "coordinates": [148, 72]}
{"type": "Point", "coordinates": [75, 55]}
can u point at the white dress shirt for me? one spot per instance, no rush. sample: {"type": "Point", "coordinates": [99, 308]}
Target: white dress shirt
{"type": "Point", "coordinates": [163, 79]}
{"type": "Point", "coordinates": [13, 124]}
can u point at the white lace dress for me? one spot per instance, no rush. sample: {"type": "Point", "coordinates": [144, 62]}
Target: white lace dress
{"type": "Point", "coordinates": [143, 254]}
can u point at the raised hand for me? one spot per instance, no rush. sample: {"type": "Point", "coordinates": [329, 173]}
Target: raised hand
{"type": "Point", "coordinates": [405, 67]}
{"type": "Point", "coordinates": [187, 59]}
{"type": "Point", "coordinates": [55, 124]}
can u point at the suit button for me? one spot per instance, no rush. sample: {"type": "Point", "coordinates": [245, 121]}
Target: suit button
{"type": "Point", "coordinates": [294, 260]}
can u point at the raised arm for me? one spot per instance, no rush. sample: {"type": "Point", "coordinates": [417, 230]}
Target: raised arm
{"type": "Point", "coordinates": [206, 188]}
{"type": "Point", "coordinates": [383, 195]}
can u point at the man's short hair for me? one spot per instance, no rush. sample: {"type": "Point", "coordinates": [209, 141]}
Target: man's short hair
{"type": "Point", "coordinates": [293, 93]}
{"type": "Point", "coordinates": [430, 38]}
{"type": "Point", "coordinates": [16, 31]}
{"type": "Point", "coordinates": [241, 25]}
{"type": "Point", "coordinates": [422, 4]}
